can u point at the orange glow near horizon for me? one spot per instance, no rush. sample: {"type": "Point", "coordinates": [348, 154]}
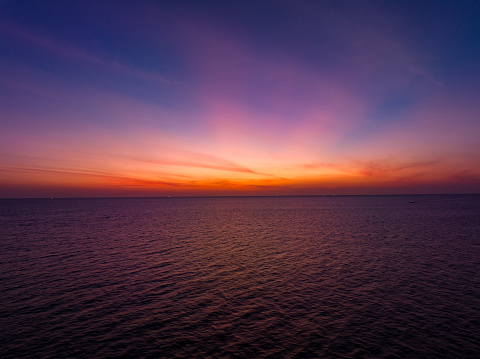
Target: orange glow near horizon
{"type": "Point", "coordinates": [209, 175]}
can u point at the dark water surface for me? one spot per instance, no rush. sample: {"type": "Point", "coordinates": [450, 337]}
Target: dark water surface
{"type": "Point", "coordinates": [271, 277]}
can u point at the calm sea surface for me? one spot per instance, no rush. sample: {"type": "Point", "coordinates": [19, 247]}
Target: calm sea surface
{"type": "Point", "coordinates": [258, 277]}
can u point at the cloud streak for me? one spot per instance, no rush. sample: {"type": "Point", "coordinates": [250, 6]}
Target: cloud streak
{"type": "Point", "coordinates": [198, 160]}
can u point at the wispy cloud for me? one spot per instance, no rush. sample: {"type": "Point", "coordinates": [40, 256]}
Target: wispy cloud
{"type": "Point", "coordinates": [197, 160]}
{"type": "Point", "coordinates": [90, 175]}
{"type": "Point", "coordinates": [67, 51]}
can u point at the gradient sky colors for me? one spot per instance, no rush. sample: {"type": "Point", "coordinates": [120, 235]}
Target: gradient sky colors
{"type": "Point", "coordinates": [158, 98]}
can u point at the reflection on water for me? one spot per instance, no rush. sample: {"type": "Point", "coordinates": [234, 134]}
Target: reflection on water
{"type": "Point", "coordinates": [294, 277]}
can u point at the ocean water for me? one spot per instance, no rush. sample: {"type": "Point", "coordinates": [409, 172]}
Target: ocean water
{"type": "Point", "coordinates": [241, 277]}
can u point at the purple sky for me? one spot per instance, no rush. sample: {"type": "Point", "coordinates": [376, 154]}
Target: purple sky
{"type": "Point", "coordinates": [130, 98]}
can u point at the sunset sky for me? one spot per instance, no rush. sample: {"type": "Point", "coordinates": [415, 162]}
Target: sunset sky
{"type": "Point", "coordinates": [180, 98]}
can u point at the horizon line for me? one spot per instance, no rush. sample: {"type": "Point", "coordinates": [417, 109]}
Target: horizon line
{"type": "Point", "coordinates": [251, 196]}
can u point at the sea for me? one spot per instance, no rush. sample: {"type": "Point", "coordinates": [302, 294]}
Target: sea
{"type": "Point", "coordinates": [241, 277]}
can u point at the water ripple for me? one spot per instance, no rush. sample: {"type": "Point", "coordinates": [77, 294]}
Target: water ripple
{"type": "Point", "coordinates": [343, 277]}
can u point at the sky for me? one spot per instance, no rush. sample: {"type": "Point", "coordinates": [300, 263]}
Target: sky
{"type": "Point", "coordinates": [202, 98]}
